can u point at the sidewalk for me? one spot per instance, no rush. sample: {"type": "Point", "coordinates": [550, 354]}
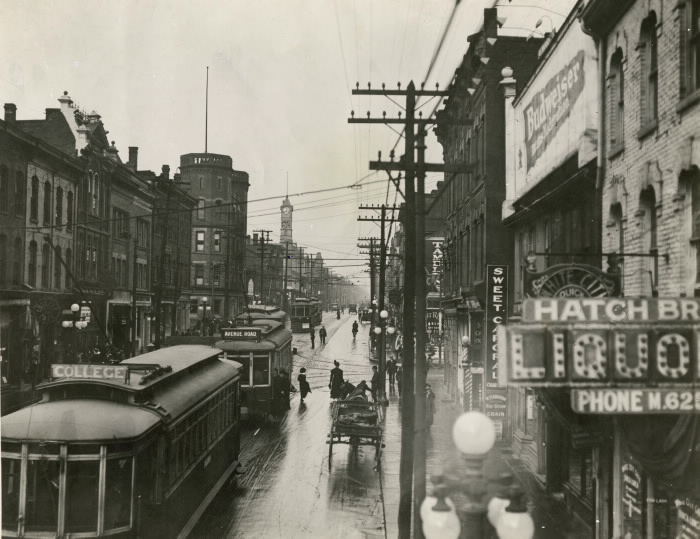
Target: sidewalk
{"type": "Point", "coordinates": [550, 515]}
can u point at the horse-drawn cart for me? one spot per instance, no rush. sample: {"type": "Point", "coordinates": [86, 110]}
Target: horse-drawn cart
{"type": "Point", "coordinates": [356, 422]}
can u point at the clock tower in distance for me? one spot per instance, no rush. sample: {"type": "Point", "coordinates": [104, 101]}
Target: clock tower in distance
{"type": "Point", "coordinates": [286, 228]}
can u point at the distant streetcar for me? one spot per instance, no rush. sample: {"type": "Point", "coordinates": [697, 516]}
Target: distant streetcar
{"type": "Point", "coordinates": [136, 449]}
{"type": "Point", "coordinates": [305, 313]}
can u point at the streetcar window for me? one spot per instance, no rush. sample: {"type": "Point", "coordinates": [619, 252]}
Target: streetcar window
{"type": "Point", "coordinates": [83, 479]}
{"type": "Point", "coordinates": [41, 512]}
{"type": "Point", "coordinates": [118, 493]}
{"type": "Point", "coordinates": [10, 492]}
{"type": "Point", "coordinates": [84, 449]}
{"type": "Point", "coordinates": [261, 371]}
{"type": "Point", "coordinates": [10, 447]}
{"type": "Point", "coordinates": [245, 369]}
{"type": "Point", "coordinates": [43, 449]}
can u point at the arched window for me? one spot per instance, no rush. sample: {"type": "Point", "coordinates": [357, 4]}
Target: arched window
{"type": "Point", "coordinates": [3, 259]}
{"type": "Point", "coordinates": [59, 206]}
{"type": "Point", "coordinates": [647, 207]}
{"type": "Point", "coordinates": [4, 188]}
{"type": "Point", "coordinates": [648, 90]}
{"type": "Point", "coordinates": [47, 203]}
{"type": "Point", "coordinates": [17, 262]}
{"type": "Point", "coordinates": [31, 277]}
{"type": "Point", "coordinates": [617, 234]}
{"type": "Point", "coordinates": [617, 101]}
{"type": "Point", "coordinates": [45, 266]}
{"type": "Point", "coordinates": [34, 208]}
{"type": "Point", "coordinates": [57, 269]}
{"type": "Point", "coordinates": [69, 211]}
{"type": "Point", "coordinates": [69, 266]}
{"type": "Point", "coordinates": [19, 193]}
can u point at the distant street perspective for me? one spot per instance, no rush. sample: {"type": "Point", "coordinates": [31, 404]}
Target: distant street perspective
{"type": "Point", "coordinates": [368, 269]}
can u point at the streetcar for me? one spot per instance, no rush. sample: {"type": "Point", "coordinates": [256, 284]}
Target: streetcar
{"type": "Point", "coordinates": [136, 449]}
{"type": "Point", "coordinates": [260, 346]}
{"type": "Point", "coordinates": [261, 312]}
{"type": "Point", "coordinates": [305, 314]}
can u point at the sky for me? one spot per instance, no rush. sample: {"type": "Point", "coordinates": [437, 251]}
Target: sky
{"type": "Point", "coordinates": [280, 80]}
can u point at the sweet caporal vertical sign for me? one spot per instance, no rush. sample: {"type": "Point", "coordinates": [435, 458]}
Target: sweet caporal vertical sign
{"type": "Point", "coordinates": [548, 109]}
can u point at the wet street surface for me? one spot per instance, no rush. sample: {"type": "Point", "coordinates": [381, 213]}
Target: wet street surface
{"type": "Point", "coordinates": [288, 490]}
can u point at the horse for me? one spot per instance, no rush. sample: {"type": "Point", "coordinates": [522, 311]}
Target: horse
{"type": "Point", "coordinates": [351, 392]}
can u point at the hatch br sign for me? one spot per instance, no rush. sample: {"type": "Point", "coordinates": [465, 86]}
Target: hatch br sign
{"type": "Point", "coordinates": [603, 342]}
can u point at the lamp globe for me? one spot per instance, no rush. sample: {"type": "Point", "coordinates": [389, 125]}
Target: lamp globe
{"type": "Point", "coordinates": [443, 524]}
{"type": "Point", "coordinates": [474, 433]}
{"type": "Point", "coordinates": [515, 526]}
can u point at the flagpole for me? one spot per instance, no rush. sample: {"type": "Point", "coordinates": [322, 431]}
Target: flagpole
{"type": "Point", "coordinates": [206, 114]}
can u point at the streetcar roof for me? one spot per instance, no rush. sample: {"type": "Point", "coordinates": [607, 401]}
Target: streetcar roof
{"type": "Point", "coordinates": [274, 336]}
{"type": "Point", "coordinates": [261, 309]}
{"type": "Point", "coordinates": [84, 420]}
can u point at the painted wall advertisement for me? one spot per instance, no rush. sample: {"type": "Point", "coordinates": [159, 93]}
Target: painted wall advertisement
{"type": "Point", "coordinates": [555, 115]}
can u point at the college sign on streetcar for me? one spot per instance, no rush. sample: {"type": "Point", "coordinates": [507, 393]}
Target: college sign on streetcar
{"type": "Point", "coordinates": [606, 347]}
{"type": "Point", "coordinates": [87, 371]}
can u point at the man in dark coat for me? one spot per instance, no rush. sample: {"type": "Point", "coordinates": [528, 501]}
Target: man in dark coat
{"type": "Point", "coordinates": [336, 383]}
{"type": "Point", "coordinates": [391, 371]}
{"type": "Point", "coordinates": [375, 383]}
{"type": "Point", "coordinates": [312, 334]}
{"type": "Point", "coordinates": [322, 333]}
{"type": "Point", "coordinates": [304, 387]}
{"type": "Point", "coordinates": [287, 387]}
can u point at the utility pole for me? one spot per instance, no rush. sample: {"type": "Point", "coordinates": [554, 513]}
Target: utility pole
{"type": "Point", "coordinates": [262, 260]}
{"type": "Point", "coordinates": [157, 300]}
{"type": "Point", "coordinates": [311, 282]}
{"type": "Point", "coordinates": [301, 269]}
{"type": "Point", "coordinates": [230, 246]}
{"type": "Point", "coordinates": [285, 299]}
{"type": "Point", "coordinates": [382, 285]}
{"type": "Point", "coordinates": [409, 499]}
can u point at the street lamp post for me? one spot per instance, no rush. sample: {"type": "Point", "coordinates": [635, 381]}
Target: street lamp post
{"type": "Point", "coordinates": [502, 504]}
{"type": "Point", "coordinates": [381, 330]}
{"type": "Point", "coordinates": [76, 323]}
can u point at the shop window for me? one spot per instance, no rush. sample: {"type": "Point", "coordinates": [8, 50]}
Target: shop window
{"type": "Point", "coordinates": [580, 473]}
{"type": "Point", "coordinates": [41, 511]}
{"type": "Point", "coordinates": [617, 101]}
{"type": "Point", "coordinates": [34, 200]}
{"type": "Point", "coordinates": [648, 72]}
{"type": "Point", "coordinates": [47, 203]}
{"type": "Point", "coordinates": [82, 483]}
{"type": "Point", "coordinates": [117, 511]}
{"type": "Point", "coordinates": [690, 47]}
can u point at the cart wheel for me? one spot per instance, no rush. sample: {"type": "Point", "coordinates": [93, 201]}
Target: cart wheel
{"type": "Point", "coordinates": [330, 453]}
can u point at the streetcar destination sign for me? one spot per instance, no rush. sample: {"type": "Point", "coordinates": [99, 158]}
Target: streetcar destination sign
{"type": "Point", "coordinates": [635, 401]}
{"type": "Point", "coordinates": [95, 372]}
{"type": "Point", "coordinates": [241, 334]}
{"type": "Point", "coordinates": [603, 342]}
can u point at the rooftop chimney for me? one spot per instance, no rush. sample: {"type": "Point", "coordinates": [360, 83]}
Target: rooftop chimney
{"type": "Point", "coordinates": [166, 172]}
{"type": "Point", "coordinates": [65, 101]}
{"type": "Point", "coordinates": [10, 113]}
{"type": "Point", "coordinates": [133, 157]}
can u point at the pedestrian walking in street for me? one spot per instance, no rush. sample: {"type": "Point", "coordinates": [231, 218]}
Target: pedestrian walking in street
{"type": "Point", "coordinates": [355, 329]}
{"type": "Point", "coordinates": [304, 387]}
{"type": "Point", "coordinates": [336, 382]}
{"type": "Point", "coordinates": [375, 383]}
{"type": "Point", "coordinates": [399, 377]}
{"type": "Point", "coordinates": [312, 334]}
{"type": "Point", "coordinates": [429, 405]}
{"type": "Point", "coordinates": [391, 371]}
{"type": "Point", "coordinates": [322, 333]}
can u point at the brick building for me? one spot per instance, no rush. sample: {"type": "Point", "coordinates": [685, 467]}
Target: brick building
{"type": "Point", "coordinates": [650, 178]}
{"type": "Point", "coordinates": [473, 233]}
{"type": "Point", "coordinates": [218, 234]}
